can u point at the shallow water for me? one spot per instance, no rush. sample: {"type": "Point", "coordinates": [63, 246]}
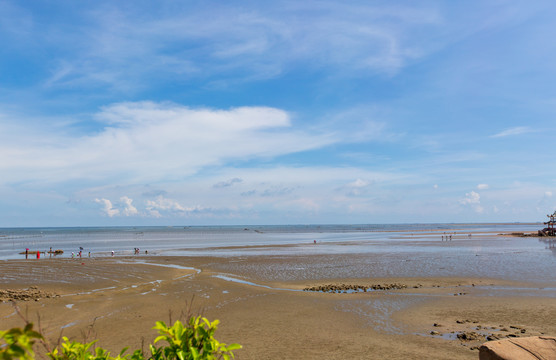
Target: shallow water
{"type": "Point", "coordinates": [377, 312]}
{"type": "Point", "coordinates": [345, 251]}
{"type": "Point", "coordinates": [221, 240]}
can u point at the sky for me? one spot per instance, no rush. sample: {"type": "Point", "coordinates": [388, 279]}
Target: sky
{"type": "Point", "coordinates": [284, 112]}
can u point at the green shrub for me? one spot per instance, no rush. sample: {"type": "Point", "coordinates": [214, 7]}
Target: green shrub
{"type": "Point", "coordinates": [18, 343]}
{"type": "Point", "coordinates": [194, 341]}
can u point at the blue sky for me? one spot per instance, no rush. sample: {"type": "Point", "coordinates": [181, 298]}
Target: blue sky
{"type": "Point", "coordinates": [283, 112]}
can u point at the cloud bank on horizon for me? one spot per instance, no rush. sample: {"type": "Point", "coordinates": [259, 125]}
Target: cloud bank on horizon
{"type": "Point", "coordinates": [285, 112]}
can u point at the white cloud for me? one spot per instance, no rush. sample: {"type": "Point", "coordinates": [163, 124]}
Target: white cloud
{"type": "Point", "coordinates": [359, 183]}
{"type": "Point", "coordinates": [129, 209]}
{"type": "Point", "coordinates": [358, 187]}
{"type": "Point", "coordinates": [123, 208]}
{"type": "Point", "coordinates": [295, 191]}
{"type": "Point", "coordinates": [471, 198]}
{"type": "Point", "coordinates": [482, 186]}
{"type": "Point", "coordinates": [108, 207]}
{"type": "Point", "coordinates": [148, 141]}
{"type": "Point", "coordinates": [164, 204]}
{"type": "Point", "coordinates": [518, 130]}
{"type": "Point", "coordinates": [548, 194]}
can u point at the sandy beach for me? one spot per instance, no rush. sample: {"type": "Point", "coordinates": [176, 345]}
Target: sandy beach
{"type": "Point", "coordinates": [118, 300]}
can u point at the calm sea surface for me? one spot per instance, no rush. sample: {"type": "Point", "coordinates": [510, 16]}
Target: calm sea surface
{"type": "Point", "coordinates": [404, 249]}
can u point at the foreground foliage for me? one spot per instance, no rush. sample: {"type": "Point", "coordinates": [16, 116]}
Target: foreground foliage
{"type": "Point", "coordinates": [191, 341]}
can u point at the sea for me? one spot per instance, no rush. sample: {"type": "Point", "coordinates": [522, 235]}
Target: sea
{"type": "Point", "coordinates": [345, 250]}
{"type": "Point", "coordinates": [229, 240]}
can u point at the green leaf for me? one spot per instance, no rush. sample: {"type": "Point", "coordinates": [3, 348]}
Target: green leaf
{"type": "Point", "coordinates": [233, 347]}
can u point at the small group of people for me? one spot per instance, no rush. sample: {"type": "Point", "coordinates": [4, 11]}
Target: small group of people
{"type": "Point", "coordinates": [137, 251]}
{"type": "Point", "coordinates": [79, 254]}
{"type": "Point", "coordinates": [447, 237]}
{"type": "Point", "coordinates": [73, 253]}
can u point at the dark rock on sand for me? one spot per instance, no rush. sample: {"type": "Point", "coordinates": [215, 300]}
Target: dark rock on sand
{"type": "Point", "coordinates": [346, 288]}
{"type": "Point", "coordinates": [470, 336]}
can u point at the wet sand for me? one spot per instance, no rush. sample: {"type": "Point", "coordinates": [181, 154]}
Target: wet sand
{"type": "Point", "coordinates": [268, 312]}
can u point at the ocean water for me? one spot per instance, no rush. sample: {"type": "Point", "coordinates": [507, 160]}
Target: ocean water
{"type": "Point", "coordinates": [230, 240]}
{"type": "Point", "coordinates": [355, 251]}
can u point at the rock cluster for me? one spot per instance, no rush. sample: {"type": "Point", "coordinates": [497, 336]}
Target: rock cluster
{"type": "Point", "coordinates": [478, 333]}
{"type": "Point", "coordinates": [32, 293]}
{"type": "Point", "coordinates": [470, 336]}
{"type": "Point", "coordinates": [521, 234]}
{"type": "Point", "coordinates": [345, 288]}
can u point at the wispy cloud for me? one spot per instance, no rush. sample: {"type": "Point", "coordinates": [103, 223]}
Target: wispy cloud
{"type": "Point", "coordinates": [227, 183]}
{"type": "Point", "coordinates": [164, 204]}
{"type": "Point", "coordinates": [357, 187]}
{"type": "Point", "coordinates": [518, 130]}
{"type": "Point", "coordinates": [272, 109]}
{"type": "Point", "coordinates": [255, 42]}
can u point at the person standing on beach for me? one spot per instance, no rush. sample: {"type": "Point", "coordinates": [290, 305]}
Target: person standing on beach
{"type": "Point", "coordinates": [26, 253]}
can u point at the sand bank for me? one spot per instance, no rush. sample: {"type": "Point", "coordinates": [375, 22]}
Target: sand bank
{"type": "Point", "coordinates": [269, 313]}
